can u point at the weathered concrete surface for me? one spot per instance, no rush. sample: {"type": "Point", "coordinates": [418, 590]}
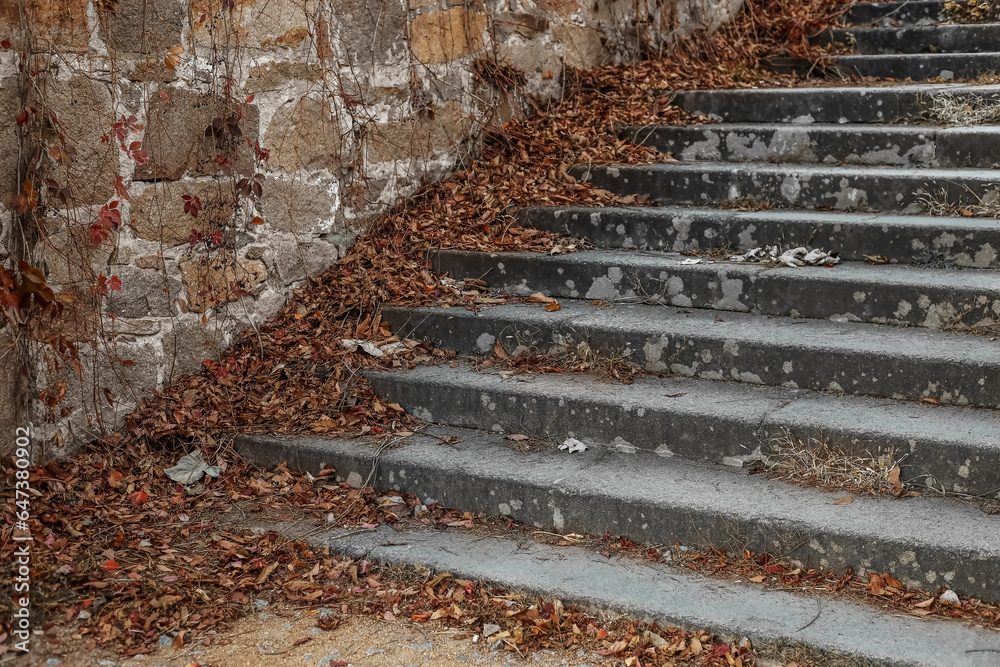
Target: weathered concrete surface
{"type": "Point", "coordinates": [970, 242]}
{"type": "Point", "coordinates": [914, 12]}
{"type": "Point", "coordinates": [825, 143]}
{"type": "Point", "coordinates": [924, 542]}
{"type": "Point", "coordinates": [921, 66]}
{"type": "Point", "coordinates": [838, 357]}
{"type": "Point", "coordinates": [851, 188]}
{"type": "Point", "coordinates": [853, 292]}
{"type": "Point", "coordinates": [847, 104]}
{"type": "Point", "coordinates": [947, 449]}
{"type": "Point", "coordinates": [676, 598]}
{"type": "Point", "coordinates": [951, 38]}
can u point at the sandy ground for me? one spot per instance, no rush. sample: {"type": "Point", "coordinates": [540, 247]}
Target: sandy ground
{"type": "Point", "coordinates": [275, 637]}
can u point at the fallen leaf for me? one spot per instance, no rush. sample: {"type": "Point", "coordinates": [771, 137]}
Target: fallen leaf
{"type": "Point", "coordinates": [846, 500]}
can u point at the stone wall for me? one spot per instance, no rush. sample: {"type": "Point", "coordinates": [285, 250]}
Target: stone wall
{"type": "Point", "coordinates": [352, 103]}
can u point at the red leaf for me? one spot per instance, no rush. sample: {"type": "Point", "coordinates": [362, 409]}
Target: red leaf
{"type": "Point", "coordinates": [115, 283]}
{"type": "Point", "coordinates": [110, 566]}
{"type": "Point", "coordinates": [139, 497]}
{"type": "Point", "coordinates": [5, 43]}
{"type": "Point", "coordinates": [121, 190]}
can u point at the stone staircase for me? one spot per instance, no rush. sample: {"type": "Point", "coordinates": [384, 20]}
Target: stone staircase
{"type": "Point", "coordinates": [864, 357]}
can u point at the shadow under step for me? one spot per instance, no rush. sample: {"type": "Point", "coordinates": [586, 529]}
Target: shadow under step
{"type": "Point", "coordinates": [840, 357]}
{"type": "Point", "coordinates": [923, 240]}
{"type": "Point", "coordinates": [922, 542]}
{"type": "Point", "coordinates": [825, 143]}
{"type": "Point", "coordinates": [851, 188]}
{"type": "Point", "coordinates": [845, 104]}
{"type": "Point", "coordinates": [899, 295]}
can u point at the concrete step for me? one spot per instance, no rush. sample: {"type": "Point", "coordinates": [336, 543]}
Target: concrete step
{"type": "Point", "coordinates": [840, 357]}
{"type": "Point", "coordinates": [847, 104]}
{"type": "Point", "coordinates": [899, 295]}
{"type": "Point", "coordinates": [923, 542]}
{"type": "Point", "coordinates": [826, 143]}
{"type": "Point", "coordinates": [945, 448]}
{"type": "Point", "coordinates": [776, 622]}
{"type": "Point", "coordinates": [949, 38]}
{"type": "Point", "coordinates": [921, 66]}
{"type": "Point", "coordinates": [969, 242]}
{"type": "Point", "coordinates": [850, 188]}
{"type": "Point", "coordinates": [904, 12]}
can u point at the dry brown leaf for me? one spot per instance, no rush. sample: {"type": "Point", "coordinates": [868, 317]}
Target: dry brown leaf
{"type": "Point", "coordinates": [846, 500]}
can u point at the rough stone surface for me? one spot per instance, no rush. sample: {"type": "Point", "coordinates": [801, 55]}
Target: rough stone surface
{"type": "Point", "coordinates": [668, 501]}
{"type": "Point", "coordinates": [968, 242]}
{"type": "Point", "coordinates": [420, 136]}
{"type": "Point", "coordinates": [849, 188]}
{"type": "Point", "coordinates": [218, 279]}
{"type": "Point", "coordinates": [443, 35]}
{"type": "Point", "coordinates": [302, 208]}
{"type": "Point", "coordinates": [370, 33]}
{"type": "Point", "coordinates": [582, 45]}
{"type": "Point", "coordinates": [841, 357]}
{"type": "Point", "coordinates": [305, 135]}
{"type": "Point", "coordinates": [144, 293]}
{"type": "Point", "coordinates": [707, 421]}
{"type": "Point", "coordinates": [175, 134]}
{"type": "Point", "coordinates": [144, 29]}
{"type": "Point", "coordinates": [159, 210]}
{"type": "Point", "coordinates": [10, 414]}
{"type": "Point", "coordinates": [85, 112]}
{"type": "Point", "coordinates": [57, 25]}
{"type": "Point", "coordinates": [771, 620]}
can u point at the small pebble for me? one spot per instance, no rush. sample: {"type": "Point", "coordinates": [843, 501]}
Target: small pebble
{"type": "Point", "coordinates": [264, 617]}
{"type": "Point", "coordinates": [374, 651]}
{"type": "Point", "coordinates": [165, 640]}
{"type": "Point", "coordinates": [326, 613]}
{"type": "Point", "coordinates": [422, 646]}
{"type": "Point", "coordinates": [53, 661]}
{"type": "Point", "coordinates": [286, 626]}
{"type": "Point", "coordinates": [315, 631]}
{"type": "Point", "coordinates": [490, 629]}
{"type": "Point", "coordinates": [497, 645]}
{"type": "Point", "coordinates": [950, 597]}
{"type": "Point", "coordinates": [329, 657]}
{"type": "Point", "coordinates": [461, 657]}
{"type": "Point", "coordinates": [307, 658]}
{"type": "Point", "coordinates": [260, 604]}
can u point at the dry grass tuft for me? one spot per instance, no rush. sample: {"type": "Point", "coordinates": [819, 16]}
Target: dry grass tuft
{"type": "Point", "coordinates": [962, 110]}
{"type": "Point", "coordinates": [814, 462]}
{"type": "Point", "coordinates": [940, 205]}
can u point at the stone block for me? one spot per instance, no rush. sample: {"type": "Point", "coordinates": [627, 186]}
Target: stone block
{"type": "Point", "coordinates": [541, 66]}
{"type": "Point", "coordinates": [144, 293]}
{"type": "Point", "coordinates": [305, 134]}
{"type": "Point", "coordinates": [272, 25]}
{"type": "Point", "coordinates": [419, 137]}
{"type": "Point", "coordinates": [188, 344]}
{"type": "Point", "coordinates": [159, 214]}
{"type": "Point", "coordinates": [300, 207]}
{"type": "Point", "coordinates": [444, 35]}
{"type": "Point", "coordinates": [270, 76]}
{"type": "Point", "coordinates": [139, 28]}
{"type": "Point", "coordinates": [562, 8]}
{"type": "Point", "coordinates": [294, 261]}
{"type": "Point", "coordinates": [9, 108]}
{"type": "Point", "coordinates": [85, 113]}
{"type": "Point", "coordinates": [57, 25]}
{"type": "Point", "coordinates": [369, 32]}
{"type": "Point", "coordinates": [175, 134]}
{"type": "Point", "coordinates": [583, 47]}
{"type": "Point", "coordinates": [220, 279]}
{"type": "Point", "coordinates": [11, 410]}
